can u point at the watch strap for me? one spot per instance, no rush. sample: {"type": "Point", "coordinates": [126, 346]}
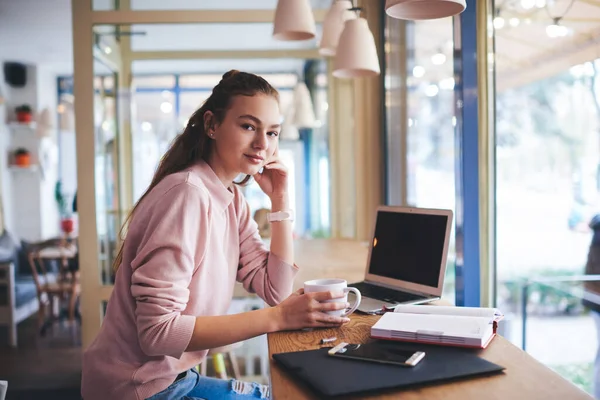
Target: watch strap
{"type": "Point", "coordinates": [287, 215]}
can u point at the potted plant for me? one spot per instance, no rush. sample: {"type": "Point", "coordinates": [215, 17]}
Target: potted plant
{"type": "Point", "coordinates": [24, 113]}
{"type": "Point", "coordinates": [22, 157]}
{"type": "Point", "coordinates": [66, 218]}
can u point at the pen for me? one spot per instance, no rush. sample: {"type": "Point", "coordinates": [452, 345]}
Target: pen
{"type": "Point", "coordinates": [328, 340]}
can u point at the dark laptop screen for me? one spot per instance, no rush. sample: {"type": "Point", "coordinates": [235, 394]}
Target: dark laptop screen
{"type": "Point", "coordinates": [408, 247]}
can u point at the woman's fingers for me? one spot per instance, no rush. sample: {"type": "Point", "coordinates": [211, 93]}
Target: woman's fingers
{"type": "Point", "coordinates": [277, 167]}
{"type": "Point", "coordinates": [338, 305]}
{"type": "Point", "coordinates": [322, 318]}
{"type": "Point", "coordinates": [322, 296]}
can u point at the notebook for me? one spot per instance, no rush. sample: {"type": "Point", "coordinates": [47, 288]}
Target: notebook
{"type": "Point", "coordinates": [407, 258]}
{"type": "Point", "coordinates": [331, 376]}
{"type": "Point", "coordinates": [451, 326]}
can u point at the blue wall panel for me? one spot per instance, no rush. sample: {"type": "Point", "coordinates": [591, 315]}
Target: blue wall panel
{"type": "Point", "coordinates": [467, 162]}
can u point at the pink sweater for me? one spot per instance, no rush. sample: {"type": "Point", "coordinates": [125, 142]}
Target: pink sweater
{"type": "Point", "coordinates": [189, 241]}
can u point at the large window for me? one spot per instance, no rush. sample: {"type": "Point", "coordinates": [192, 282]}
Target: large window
{"type": "Point", "coordinates": [547, 172]}
{"type": "Point", "coordinates": [162, 105]}
{"type": "Point", "coordinates": [420, 119]}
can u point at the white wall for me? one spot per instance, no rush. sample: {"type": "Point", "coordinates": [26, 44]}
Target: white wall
{"type": "Point", "coordinates": [4, 174]}
{"type": "Point", "coordinates": [28, 196]}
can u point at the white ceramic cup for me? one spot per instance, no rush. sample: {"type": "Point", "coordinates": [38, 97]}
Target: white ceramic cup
{"type": "Point", "coordinates": [334, 285]}
{"type": "Point", "coordinates": [3, 389]}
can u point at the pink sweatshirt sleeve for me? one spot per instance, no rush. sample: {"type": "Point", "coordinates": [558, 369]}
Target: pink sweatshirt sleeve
{"type": "Point", "coordinates": [261, 271]}
{"type": "Point", "coordinates": [172, 245]}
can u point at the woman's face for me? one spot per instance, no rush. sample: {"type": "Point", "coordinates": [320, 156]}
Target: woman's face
{"type": "Point", "coordinates": [247, 137]}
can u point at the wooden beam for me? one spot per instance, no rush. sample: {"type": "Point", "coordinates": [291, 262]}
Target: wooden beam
{"type": "Point", "coordinates": [190, 16]}
{"type": "Point", "coordinates": [224, 54]}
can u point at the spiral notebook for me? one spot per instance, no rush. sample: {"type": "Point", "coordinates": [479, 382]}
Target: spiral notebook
{"type": "Point", "coordinates": [442, 325]}
{"type": "Point", "coordinates": [331, 376]}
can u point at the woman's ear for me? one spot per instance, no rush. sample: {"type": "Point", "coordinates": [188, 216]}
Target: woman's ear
{"type": "Point", "coordinates": [209, 126]}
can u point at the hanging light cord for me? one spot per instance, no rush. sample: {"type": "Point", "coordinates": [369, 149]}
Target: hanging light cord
{"type": "Point", "coordinates": [557, 19]}
{"type": "Point", "coordinates": [355, 8]}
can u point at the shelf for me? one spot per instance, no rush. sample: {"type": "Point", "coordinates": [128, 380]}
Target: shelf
{"type": "Point", "coordinates": [31, 168]}
{"type": "Point", "coordinates": [20, 125]}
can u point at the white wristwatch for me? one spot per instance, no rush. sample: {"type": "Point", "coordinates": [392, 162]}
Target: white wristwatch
{"type": "Point", "coordinates": [287, 215]}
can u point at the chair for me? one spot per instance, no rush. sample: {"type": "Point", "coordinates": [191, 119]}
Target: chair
{"type": "Point", "coordinates": [54, 286]}
{"type": "Point", "coordinates": [17, 300]}
{"type": "Point", "coordinates": [242, 301]}
{"type": "Point", "coordinates": [264, 226]}
{"type": "Point", "coordinates": [218, 358]}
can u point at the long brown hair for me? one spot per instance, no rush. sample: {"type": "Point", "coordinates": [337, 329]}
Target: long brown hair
{"type": "Point", "coordinates": [193, 144]}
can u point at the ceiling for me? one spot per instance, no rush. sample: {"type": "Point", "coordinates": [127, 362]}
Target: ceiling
{"type": "Point", "coordinates": [202, 4]}
{"type": "Point", "coordinates": [40, 37]}
{"type": "Point", "coordinates": [523, 50]}
{"type": "Point", "coordinates": [45, 36]}
{"type": "Point", "coordinates": [524, 53]}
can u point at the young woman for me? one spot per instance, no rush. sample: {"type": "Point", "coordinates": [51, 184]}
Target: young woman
{"type": "Point", "coordinates": [190, 237]}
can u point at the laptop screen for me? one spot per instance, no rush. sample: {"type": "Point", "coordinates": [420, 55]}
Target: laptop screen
{"type": "Point", "coordinates": [408, 247]}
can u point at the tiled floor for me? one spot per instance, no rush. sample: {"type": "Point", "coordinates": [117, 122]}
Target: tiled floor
{"type": "Point", "coordinates": [48, 367]}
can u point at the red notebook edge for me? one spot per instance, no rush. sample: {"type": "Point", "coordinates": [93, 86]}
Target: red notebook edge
{"type": "Point", "coordinates": [485, 345]}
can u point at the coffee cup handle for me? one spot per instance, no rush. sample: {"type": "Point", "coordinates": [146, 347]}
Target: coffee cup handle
{"type": "Point", "coordinates": [356, 302]}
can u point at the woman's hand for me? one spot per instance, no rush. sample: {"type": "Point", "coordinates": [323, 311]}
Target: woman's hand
{"type": "Point", "coordinates": [305, 310]}
{"type": "Point", "coordinates": [273, 181]}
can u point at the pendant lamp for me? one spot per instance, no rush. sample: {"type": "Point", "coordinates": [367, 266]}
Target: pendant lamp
{"type": "Point", "coordinates": [304, 112]}
{"type": "Point", "coordinates": [45, 124]}
{"type": "Point", "coordinates": [356, 54]}
{"type": "Point", "coordinates": [294, 20]}
{"type": "Point", "coordinates": [289, 131]}
{"type": "Point", "coordinates": [424, 9]}
{"type": "Point", "coordinates": [338, 14]}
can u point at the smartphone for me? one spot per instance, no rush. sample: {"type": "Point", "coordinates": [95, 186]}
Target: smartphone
{"type": "Point", "coordinates": [376, 352]}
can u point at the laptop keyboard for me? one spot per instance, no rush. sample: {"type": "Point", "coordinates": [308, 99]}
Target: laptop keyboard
{"type": "Point", "coordinates": [384, 294]}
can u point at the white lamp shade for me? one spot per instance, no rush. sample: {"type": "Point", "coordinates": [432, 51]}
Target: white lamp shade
{"type": "Point", "coordinates": [67, 119]}
{"type": "Point", "coordinates": [333, 26]}
{"type": "Point", "coordinates": [289, 131]}
{"type": "Point", "coordinates": [356, 54]}
{"type": "Point", "coordinates": [294, 20]}
{"type": "Point", "coordinates": [303, 111]}
{"type": "Point", "coordinates": [424, 9]}
{"type": "Point", "coordinates": [45, 119]}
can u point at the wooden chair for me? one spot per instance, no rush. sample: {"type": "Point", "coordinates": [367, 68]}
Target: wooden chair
{"type": "Point", "coordinates": [218, 358]}
{"type": "Point", "coordinates": [56, 286]}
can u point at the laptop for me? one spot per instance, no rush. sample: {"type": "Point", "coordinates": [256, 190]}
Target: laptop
{"type": "Point", "coordinates": [407, 258]}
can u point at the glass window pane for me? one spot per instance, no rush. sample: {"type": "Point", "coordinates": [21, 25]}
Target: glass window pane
{"type": "Point", "coordinates": [218, 67]}
{"type": "Point", "coordinates": [160, 116]}
{"type": "Point", "coordinates": [547, 175]}
{"type": "Point", "coordinates": [204, 81]}
{"type": "Point", "coordinates": [427, 78]}
{"type": "Point", "coordinates": [189, 103]}
{"type": "Point", "coordinates": [154, 128]}
{"type": "Point", "coordinates": [104, 5]}
{"type": "Point", "coordinates": [154, 81]}
{"type": "Point", "coordinates": [108, 213]}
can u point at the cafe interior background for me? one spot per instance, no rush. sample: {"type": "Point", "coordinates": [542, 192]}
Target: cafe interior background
{"type": "Point", "coordinates": [493, 113]}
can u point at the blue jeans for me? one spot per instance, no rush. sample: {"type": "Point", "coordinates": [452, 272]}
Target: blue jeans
{"type": "Point", "coordinates": [196, 387]}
